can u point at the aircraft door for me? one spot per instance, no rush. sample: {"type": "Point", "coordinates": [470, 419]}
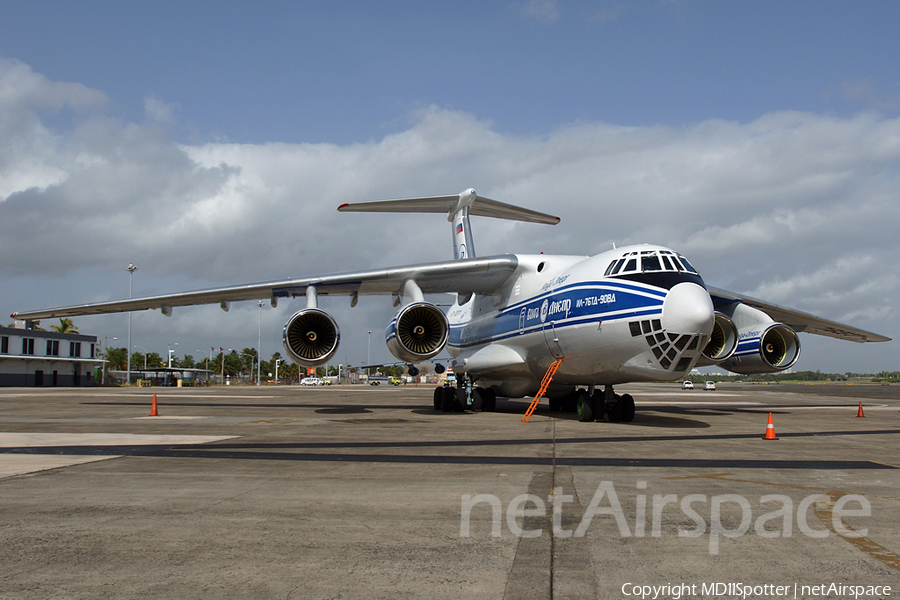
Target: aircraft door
{"type": "Point", "coordinates": [552, 338]}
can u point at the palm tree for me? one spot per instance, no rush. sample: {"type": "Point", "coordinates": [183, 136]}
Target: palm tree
{"type": "Point", "coordinates": [65, 326]}
{"type": "Point", "coordinates": [117, 358]}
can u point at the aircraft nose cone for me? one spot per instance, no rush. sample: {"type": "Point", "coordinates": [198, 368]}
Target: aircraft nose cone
{"type": "Point", "coordinates": [688, 309]}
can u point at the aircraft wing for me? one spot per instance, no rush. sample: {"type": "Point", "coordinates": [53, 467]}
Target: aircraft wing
{"type": "Point", "coordinates": [798, 320]}
{"type": "Point", "coordinates": [476, 275]}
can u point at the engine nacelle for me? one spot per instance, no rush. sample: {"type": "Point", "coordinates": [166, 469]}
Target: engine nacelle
{"type": "Point", "coordinates": [766, 348]}
{"type": "Point", "coordinates": [722, 342]}
{"type": "Point", "coordinates": [418, 332]}
{"type": "Point", "coordinates": [311, 337]}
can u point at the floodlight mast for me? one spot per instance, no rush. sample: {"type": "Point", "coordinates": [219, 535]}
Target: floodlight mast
{"type": "Point", "coordinates": [131, 269]}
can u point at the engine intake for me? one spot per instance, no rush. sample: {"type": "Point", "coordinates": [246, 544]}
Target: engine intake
{"type": "Point", "coordinates": [722, 342]}
{"type": "Point", "coordinates": [311, 337]}
{"type": "Point", "coordinates": [418, 332]}
{"type": "Point", "coordinates": [771, 350]}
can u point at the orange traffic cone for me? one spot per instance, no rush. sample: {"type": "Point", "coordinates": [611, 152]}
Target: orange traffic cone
{"type": "Point", "coordinates": [770, 430]}
{"type": "Point", "coordinates": [153, 412]}
{"type": "Point", "coordinates": [859, 413]}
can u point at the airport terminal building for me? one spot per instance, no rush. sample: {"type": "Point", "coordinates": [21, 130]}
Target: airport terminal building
{"type": "Point", "coordinates": [32, 358]}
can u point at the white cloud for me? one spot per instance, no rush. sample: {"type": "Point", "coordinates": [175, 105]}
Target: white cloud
{"type": "Point", "coordinates": [542, 11]}
{"type": "Point", "coordinates": [797, 208]}
{"type": "Point", "coordinates": [160, 112]}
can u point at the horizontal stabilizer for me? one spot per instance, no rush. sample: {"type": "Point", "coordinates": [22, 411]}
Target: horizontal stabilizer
{"type": "Point", "coordinates": [449, 205]}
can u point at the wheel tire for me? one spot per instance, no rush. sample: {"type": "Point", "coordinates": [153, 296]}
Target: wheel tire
{"type": "Point", "coordinates": [438, 397]}
{"type": "Point", "coordinates": [627, 404]}
{"type": "Point", "coordinates": [585, 408]}
{"type": "Point", "coordinates": [614, 412]}
{"type": "Point", "coordinates": [460, 400]}
{"type": "Point", "coordinates": [478, 399]}
{"type": "Point", "coordinates": [490, 400]}
{"type": "Point", "coordinates": [448, 401]}
{"type": "Point", "coordinates": [598, 407]}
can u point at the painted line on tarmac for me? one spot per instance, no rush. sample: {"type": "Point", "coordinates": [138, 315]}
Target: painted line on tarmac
{"type": "Point", "coordinates": [169, 418]}
{"type": "Point", "coordinates": [23, 453]}
{"type": "Point", "coordinates": [211, 452]}
{"type": "Point", "coordinates": [694, 403]}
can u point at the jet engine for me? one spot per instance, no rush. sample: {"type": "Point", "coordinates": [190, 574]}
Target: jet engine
{"type": "Point", "coordinates": [722, 342]}
{"type": "Point", "coordinates": [766, 348]}
{"type": "Point", "coordinates": [418, 332]}
{"type": "Point", "coordinates": [311, 337]}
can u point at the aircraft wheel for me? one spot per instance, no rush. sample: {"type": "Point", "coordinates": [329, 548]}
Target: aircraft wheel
{"type": "Point", "coordinates": [614, 412]}
{"type": "Point", "coordinates": [478, 399]}
{"type": "Point", "coordinates": [460, 400]}
{"type": "Point", "coordinates": [438, 397]}
{"type": "Point", "coordinates": [490, 400]}
{"type": "Point", "coordinates": [627, 403]}
{"type": "Point", "coordinates": [448, 400]}
{"type": "Point", "coordinates": [585, 408]}
{"type": "Point", "coordinates": [598, 406]}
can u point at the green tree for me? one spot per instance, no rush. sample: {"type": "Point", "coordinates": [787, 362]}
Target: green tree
{"type": "Point", "coordinates": [154, 361]}
{"type": "Point", "coordinates": [233, 363]}
{"type": "Point", "coordinates": [248, 362]}
{"type": "Point", "coordinates": [289, 372]}
{"type": "Point", "coordinates": [65, 326]}
{"type": "Point", "coordinates": [117, 359]}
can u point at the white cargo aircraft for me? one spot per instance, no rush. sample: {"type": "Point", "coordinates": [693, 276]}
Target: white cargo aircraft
{"type": "Point", "coordinates": [637, 313]}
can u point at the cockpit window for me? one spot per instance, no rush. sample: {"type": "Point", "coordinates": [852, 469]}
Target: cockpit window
{"type": "Point", "coordinates": [646, 261]}
{"type": "Point", "coordinates": [609, 268]}
{"type": "Point", "coordinates": [687, 266]}
{"type": "Point", "coordinates": [650, 263]}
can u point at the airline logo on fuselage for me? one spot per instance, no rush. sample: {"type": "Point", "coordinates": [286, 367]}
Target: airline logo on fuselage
{"type": "Point", "coordinates": [550, 309]}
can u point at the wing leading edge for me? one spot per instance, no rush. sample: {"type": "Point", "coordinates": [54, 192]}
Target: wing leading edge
{"type": "Point", "coordinates": [477, 275]}
{"type": "Point", "coordinates": [798, 320]}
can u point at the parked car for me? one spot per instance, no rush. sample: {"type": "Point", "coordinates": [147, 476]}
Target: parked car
{"type": "Point", "coordinates": [311, 381]}
{"type": "Point", "coordinates": [687, 385]}
{"type": "Point", "coordinates": [709, 386]}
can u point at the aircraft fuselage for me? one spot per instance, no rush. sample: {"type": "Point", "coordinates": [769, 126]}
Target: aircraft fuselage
{"type": "Point", "coordinates": [637, 325]}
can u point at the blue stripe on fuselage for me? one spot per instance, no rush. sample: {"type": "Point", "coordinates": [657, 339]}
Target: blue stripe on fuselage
{"type": "Point", "coordinates": [568, 306]}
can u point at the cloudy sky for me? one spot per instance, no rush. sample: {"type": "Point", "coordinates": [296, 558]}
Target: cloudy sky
{"type": "Point", "coordinates": [209, 143]}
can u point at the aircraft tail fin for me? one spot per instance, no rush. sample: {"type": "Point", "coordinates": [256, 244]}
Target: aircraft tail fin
{"type": "Point", "coordinates": [458, 208]}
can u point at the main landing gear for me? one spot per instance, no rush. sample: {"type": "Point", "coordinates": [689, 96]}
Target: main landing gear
{"type": "Point", "coordinates": [591, 405]}
{"type": "Point", "coordinates": [456, 399]}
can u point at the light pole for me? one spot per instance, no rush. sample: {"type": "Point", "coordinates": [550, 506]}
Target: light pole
{"type": "Point", "coordinates": [223, 366]}
{"type": "Point", "coordinates": [259, 342]}
{"type": "Point", "coordinates": [170, 351]}
{"type": "Point", "coordinates": [146, 352]}
{"type": "Point", "coordinates": [369, 353]}
{"type": "Point", "coordinates": [131, 269]}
